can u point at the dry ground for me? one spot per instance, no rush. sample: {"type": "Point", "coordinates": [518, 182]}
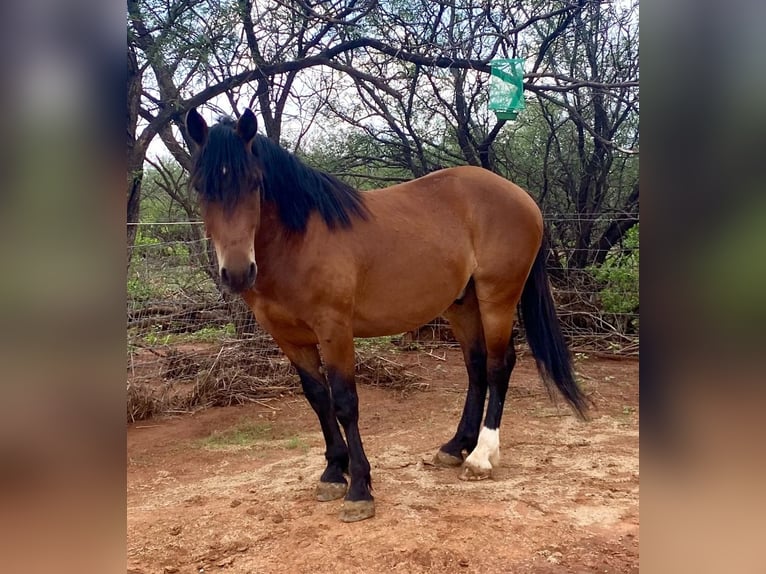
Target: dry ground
{"type": "Point", "coordinates": [232, 489]}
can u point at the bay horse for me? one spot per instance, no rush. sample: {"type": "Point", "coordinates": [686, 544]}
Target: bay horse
{"type": "Point", "coordinates": [320, 263]}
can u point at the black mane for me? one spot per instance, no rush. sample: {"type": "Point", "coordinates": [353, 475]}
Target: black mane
{"type": "Point", "coordinates": [282, 178]}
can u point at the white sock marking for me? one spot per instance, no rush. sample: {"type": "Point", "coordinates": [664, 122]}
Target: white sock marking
{"type": "Point", "coordinates": [487, 451]}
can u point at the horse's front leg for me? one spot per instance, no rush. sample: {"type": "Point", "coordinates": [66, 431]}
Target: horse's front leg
{"type": "Point", "coordinates": [337, 346]}
{"type": "Point", "coordinates": [332, 484]}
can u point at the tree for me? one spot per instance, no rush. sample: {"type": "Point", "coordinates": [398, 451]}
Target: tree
{"type": "Point", "coordinates": [198, 50]}
{"type": "Point", "coordinates": [402, 89]}
{"type": "Point", "coordinates": [599, 180]}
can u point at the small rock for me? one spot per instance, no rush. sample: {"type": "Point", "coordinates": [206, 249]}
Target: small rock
{"type": "Point", "coordinates": [251, 511]}
{"type": "Point", "coordinates": [225, 562]}
{"type": "Point", "coordinates": [555, 557]}
{"type": "Point", "coordinates": [175, 531]}
{"type": "Point", "coordinates": [277, 518]}
{"type": "Point", "coordinates": [241, 548]}
{"type": "Point", "coordinates": [235, 503]}
{"type": "Point", "coordinates": [169, 570]}
{"type": "Point", "coordinates": [463, 562]}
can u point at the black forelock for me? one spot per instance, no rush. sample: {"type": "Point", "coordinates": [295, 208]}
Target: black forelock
{"type": "Point", "coordinates": [223, 170]}
{"type": "Point", "coordinates": [283, 179]}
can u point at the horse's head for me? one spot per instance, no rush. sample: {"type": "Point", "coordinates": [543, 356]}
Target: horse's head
{"type": "Point", "coordinates": [228, 179]}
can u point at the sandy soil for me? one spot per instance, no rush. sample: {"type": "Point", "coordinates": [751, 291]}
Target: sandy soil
{"type": "Point", "coordinates": [232, 489]}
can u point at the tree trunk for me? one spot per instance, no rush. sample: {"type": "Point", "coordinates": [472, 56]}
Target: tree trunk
{"type": "Point", "coordinates": [618, 228]}
{"type": "Point", "coordinates": [135, 153]}
{"type": "Point", "coordinates": [135, 177]}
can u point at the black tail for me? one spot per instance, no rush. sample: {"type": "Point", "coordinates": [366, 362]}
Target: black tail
{"type": "Point", "coordinates": [541, 324]}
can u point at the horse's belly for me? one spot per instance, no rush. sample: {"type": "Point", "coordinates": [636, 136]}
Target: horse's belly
{"type": "Point", "coordinates": [400, 309]}
{"type": "Point", "coordinates": [393, 323]}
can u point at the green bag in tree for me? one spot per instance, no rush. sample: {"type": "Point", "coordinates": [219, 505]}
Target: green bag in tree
{"type": "Point", "coordinates": [506, 88]}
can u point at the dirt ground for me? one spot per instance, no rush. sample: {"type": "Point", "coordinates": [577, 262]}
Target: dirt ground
{"type": "Point", "coordinates": [232, 489]}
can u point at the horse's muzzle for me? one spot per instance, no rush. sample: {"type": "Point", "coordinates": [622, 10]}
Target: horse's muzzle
{"type": "Point", "coordinates": [238, 280]}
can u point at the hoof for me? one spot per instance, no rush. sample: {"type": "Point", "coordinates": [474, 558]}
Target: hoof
{"type": "Point", "coordinates": [331, 491]}
{"type": "Point", "coordinates": [442, 458]}
{"type": "Point", "coordinates": [474, 473]}
{"type": "Point", "coordinates": [355, 510]}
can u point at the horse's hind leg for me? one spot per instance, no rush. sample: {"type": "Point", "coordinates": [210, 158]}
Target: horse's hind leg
{"type": "Point", "coordinates": [465, 321]}
{"type": "Point", "coordinates": [497, 321]}
{"type": "Point", "coordinates": [332, 484]}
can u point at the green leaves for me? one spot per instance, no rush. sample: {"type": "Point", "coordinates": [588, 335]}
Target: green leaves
{"type": "Point", "coordinates": [619, 276]}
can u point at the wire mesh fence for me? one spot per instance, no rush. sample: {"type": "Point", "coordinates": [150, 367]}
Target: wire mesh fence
{"type": "Point", "coordinates": [190, 345]}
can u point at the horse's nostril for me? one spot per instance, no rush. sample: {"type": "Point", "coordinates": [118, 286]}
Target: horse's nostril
{"type": "Point", "coordinates": [224, 275]}
{"type": "Point", "coordinates": [251, 271]}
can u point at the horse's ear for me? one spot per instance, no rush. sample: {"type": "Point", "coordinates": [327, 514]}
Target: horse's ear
{"type": "Point", "coordinates": [247, 125]}
{"type": "Point", "coordinates": [196, 126]}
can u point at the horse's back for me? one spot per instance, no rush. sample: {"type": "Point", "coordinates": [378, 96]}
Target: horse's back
{"type": "Point", "coordinates": [466, 202]}
{"type": "Point", "coordinates": [426, 238]}
{"type": "Point", "coordinates": [489, 193]}
{"type": "Point", "coordinates": [471, 189]}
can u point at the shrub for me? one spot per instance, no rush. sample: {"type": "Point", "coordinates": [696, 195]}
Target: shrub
{"type": "Point", "coordinates": [618, 276]}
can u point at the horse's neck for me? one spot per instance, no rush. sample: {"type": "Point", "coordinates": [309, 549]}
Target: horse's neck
{"type": "Point", "coordinates": [276, 254]}
{"type": "Point", "coordinates": [270, 242]}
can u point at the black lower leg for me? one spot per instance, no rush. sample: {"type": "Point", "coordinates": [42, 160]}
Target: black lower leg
{"type": "Point", "coordinates": [498, 376]}
{"type": "Point", "coordinates": [468, 428]}
{"type": "Point", "coordinates": [336, 453]}
{"type": "Point", "coordinates": [346, 403]}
